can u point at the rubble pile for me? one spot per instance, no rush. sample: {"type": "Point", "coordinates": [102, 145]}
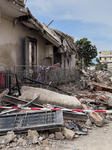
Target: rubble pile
{"type": "Point", "coordinates": [28, 127]}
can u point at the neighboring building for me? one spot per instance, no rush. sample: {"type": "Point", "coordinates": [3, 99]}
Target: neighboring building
{"type": "Point", "coordinates": [106, 57]}
{"type": "Point", "coordinates": [25, 41]}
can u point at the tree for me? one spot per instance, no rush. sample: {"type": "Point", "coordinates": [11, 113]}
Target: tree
{"type": "Point", "coordinates": [87, 51]}
{"type": "Point", "coordinates": [98, 60]}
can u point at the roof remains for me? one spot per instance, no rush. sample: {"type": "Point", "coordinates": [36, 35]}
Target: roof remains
{"type": "Point", "coordinates": [64, 42]}
{"type": "Point", "coordinates": [20, 2]}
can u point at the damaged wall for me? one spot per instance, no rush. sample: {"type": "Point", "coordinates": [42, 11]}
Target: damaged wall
{"type": "Point", "coordinates": [72, 61]}
{"type": "Point", "coordinates": [12, 42]}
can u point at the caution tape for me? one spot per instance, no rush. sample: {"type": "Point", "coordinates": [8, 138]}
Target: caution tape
{"type": "Point", "coordinates": [52, 109]}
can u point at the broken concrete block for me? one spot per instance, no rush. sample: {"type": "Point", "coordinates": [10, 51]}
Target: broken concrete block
{"type": "Point", "coordinates": [46, 96]}
{"type": "Point", "coordinates": [35, 140]}
{"type": "Point", "coordinates": [45, 142]}
{"type": "Point", "coordinates": [7, 138]}
{"type": "Point", "coordinates": [77, 136]}
{"type": "Point", "coordinates": [15, 140]}
{"type": "Point", "coordinates": [95, 117]}
{"type": "Point", "coordinates": [69, 134]}
{"type": "Point", "coordinates": [41, 138]}
{"type": "Point", "coordinates": [110, 102]}
{"type": "Point", "coordinates": [51, 136]}
{"type": "Point", "coordinates": [108, 95]}
{"type": "Point", "coordinates": [88, 123]}
{"type": "Point", "coordinates": [22, 142]}
{"type": "Point", "coordinates": [32, 133]}
{"type": "Point", "coordinates": [59, 135]}
{"type": "Point", "coordinates": [99, 79]}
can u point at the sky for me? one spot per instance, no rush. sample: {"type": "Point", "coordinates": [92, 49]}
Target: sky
{"type": "Point", "coordinates": [79, 18]}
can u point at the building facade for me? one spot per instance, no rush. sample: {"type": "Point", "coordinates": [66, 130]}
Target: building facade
{"type": "Point", "coordinates": [26, 41]}
{"type": "Point", "coordinates": [106, 57]}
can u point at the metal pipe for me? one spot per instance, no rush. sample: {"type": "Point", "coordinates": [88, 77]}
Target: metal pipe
{"type": "Point", "coordinates": [12, 110]}
{"type": "Point", "coordinates": [50, 23]}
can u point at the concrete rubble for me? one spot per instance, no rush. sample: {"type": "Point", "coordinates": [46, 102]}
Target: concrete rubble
{"type": "Point", "coordinates": [92, 92]}
{"type": "Point", "coordinates": [50, 97]}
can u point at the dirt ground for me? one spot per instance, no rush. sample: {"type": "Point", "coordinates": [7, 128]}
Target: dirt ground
{"type": "Point", "coordinates": [98, 138]}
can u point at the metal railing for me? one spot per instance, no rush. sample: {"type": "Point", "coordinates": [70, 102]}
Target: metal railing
{"type": "Point", "coordinates": [41, 74]}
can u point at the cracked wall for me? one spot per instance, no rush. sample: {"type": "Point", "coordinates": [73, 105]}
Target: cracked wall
{"type": "Point", "coordinates": [12, 42]}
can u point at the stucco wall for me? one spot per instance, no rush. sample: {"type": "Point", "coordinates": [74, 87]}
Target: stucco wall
{"type": "Point", "coordinates": [106, 52]}
{"type": "Point", "coordinates": [12, 42]}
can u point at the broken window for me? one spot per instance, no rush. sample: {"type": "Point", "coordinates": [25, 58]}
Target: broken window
{"type": "Point", "coordinates": [57, 56]}
{"type": "Point", "coordinates": [31, 52]}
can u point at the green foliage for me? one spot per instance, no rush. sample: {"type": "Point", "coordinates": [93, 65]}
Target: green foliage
{"type": "Point", "coordinates": [101, 66]}
{"type": "Point", "coordinates": [86, 51]}
{"type": "Point", "coordinates": [98, 61]}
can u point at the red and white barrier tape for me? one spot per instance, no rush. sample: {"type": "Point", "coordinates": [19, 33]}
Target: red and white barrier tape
{"type": "Point", "coordinates": [77, 110]}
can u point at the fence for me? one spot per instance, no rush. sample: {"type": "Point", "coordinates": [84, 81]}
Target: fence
{"type": "Point", "coordinates": [54, 74]}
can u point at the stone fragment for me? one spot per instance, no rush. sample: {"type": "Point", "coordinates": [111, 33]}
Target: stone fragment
{"type": "Point", "coordinates": [59, 135]}
{"type": "Point", "coordinates": [99, 79]}
{"type": "Point", "coordinates": [41, 138]}
{"type": "Point", "coordinates": [76, 136]}
{"type": "Point", "coordinates": [22, 142]}
{"type": "Point", "coordinates": [45, 142]}
{"type": "Point", "coordinates": [88, 123]}
{"type": "Point", "coordinates": [15, 140]}
{"type": "Point", "coordinates": [95, 117]}
{"type": "Point", "coordinates": [110, 102]}
{"type": "Point", "coordinates": [51, 136]}
{"type": "Point", "coordinates": [108, 117]}
{"type": "Point", "coordinates": [7, 138]}
{"type": "Point", "coordinates": [69, 134]}
{"type": "Point", "coordinates": [35, 139]}
{"type": "Point", "coordinates": [32, 133]}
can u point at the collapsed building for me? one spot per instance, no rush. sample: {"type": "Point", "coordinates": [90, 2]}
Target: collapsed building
{"type": "Point", "coordinates": [25, 41]}
{"type": "Point", "coordinates": [32, 49]}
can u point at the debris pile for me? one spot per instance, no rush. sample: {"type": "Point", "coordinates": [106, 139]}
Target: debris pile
{"type": "Point", "coordinates": [58, 116]}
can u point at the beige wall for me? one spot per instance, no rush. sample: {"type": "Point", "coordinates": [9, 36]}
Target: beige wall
{"type": "Point", "coordinates": [106, 52]}
{"type": "Point", "coordinates": [107, 58]}
{"type": "Point", "coordinates": [12, 42]}
{"type": "Point", "coordinates": [102, 58]}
